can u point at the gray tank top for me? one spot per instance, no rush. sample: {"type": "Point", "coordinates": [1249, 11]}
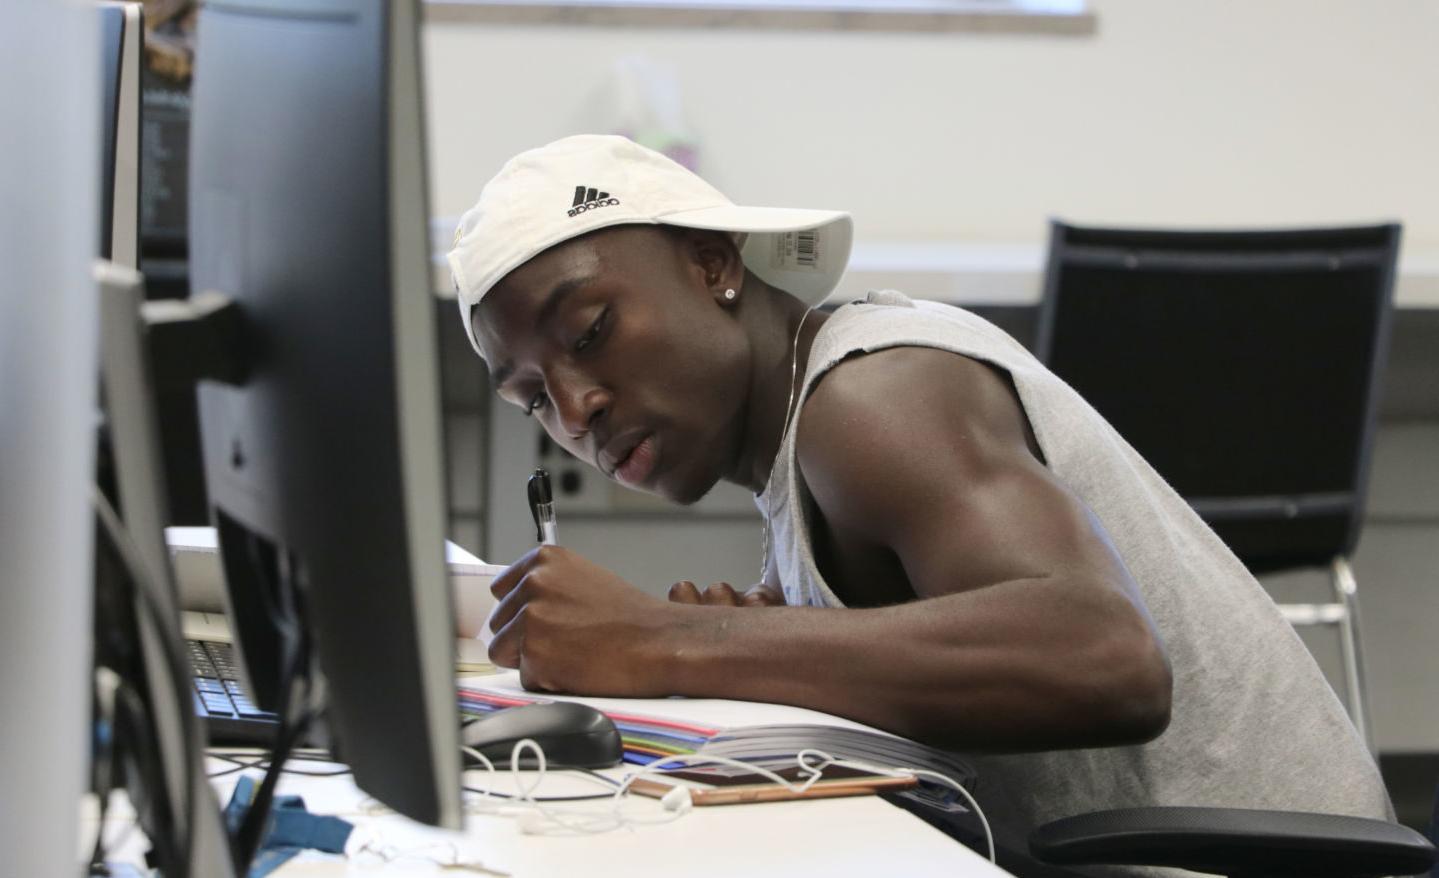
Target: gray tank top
{"type": "Point", "coordinates": [1254, 723]}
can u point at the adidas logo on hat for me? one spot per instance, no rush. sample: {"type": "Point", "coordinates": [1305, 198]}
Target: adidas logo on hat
{"type": "Point", "coordinates": [590, 199]}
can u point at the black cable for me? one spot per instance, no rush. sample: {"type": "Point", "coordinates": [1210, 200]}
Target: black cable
{"type": "Point", "coordinates": [226, 772]}
{"type": "Point", "coordinates": [177, 665]}
{"type": "Point", "coordinates": [303, 773]}
{"type": "Point", "coordinates": [255, 549]}
{"type": "Point", "coordinates": [132, 720]}
{"type": "Point", "coordinates": [596, 775]}
{"type": "Point", "coordinates": [585, 798]}
{"type": "Point", "coordinates": [97, 854]}
{"type": "Point", "coordinates": [304, 754]}
{"type": "Point", "coordinates": [264, 761]}
{"type": "Point", "coordinates": [295, 692]}
{"type": "Point", "coordinates": [265, 765]}
{"type": "Point", "coordinates": [252, 827]}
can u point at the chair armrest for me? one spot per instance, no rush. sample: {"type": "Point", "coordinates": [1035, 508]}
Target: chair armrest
{"type": "Point", "coordinates": [1235, 842]}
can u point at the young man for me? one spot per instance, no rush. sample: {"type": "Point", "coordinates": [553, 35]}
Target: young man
{"type": "Point", "coordinates": [958, 549]}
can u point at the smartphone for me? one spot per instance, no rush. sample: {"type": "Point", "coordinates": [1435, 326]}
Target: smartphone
{"type": "Point", "coordinates": [728, 792]}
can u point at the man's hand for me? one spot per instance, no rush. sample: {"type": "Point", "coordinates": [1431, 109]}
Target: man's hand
{"type": "Point", "coordinates": [722, 594]}
{"type": "Point", "coordinates": [570, 625]}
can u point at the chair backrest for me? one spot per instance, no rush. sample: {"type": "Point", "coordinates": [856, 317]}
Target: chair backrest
{"type": "Point", "coordinates": [1243, 366]}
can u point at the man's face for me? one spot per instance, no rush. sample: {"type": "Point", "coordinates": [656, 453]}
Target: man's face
{"type": "Point", "coordinates": [617, 343]}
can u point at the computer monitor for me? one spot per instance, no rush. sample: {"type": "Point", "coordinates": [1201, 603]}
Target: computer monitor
{"type": "Point", "coordinates": [307, 210]}
{"type": "Point", "coordinates": [153, 732]}
{"type": "Point", "coordinates": [122, 37]}
{"type": "Point", "coordinates": [154, 735]}
{"type": "Point", "coordinates": [123, 115]}
{"type": "Point", "coordinates": [47, 381]}
{"type": "Point", "coordinates": [164, 153]}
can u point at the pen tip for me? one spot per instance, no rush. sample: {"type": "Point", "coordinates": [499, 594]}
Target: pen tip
{"type": "Point", "coordinates": [539, 486]}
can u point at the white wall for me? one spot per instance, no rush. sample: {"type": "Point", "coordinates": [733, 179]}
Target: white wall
{"type": "Point", "coordinates": [1211, 112]}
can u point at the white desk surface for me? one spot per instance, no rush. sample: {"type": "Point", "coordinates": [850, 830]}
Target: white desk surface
{"type": "Point", "coordinates": [856, 836]}
{"type": "Point", "coordinates": [832, 837]}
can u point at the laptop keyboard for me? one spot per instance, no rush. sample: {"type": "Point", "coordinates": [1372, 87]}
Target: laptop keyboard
{"type": "Point", "coordinates": [229, 714]}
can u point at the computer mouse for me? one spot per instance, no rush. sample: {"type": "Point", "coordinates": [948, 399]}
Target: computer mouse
{"type": "Point", "coordinates": [572, 736]}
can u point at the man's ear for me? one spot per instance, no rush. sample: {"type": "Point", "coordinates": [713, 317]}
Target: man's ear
{"type": "Point", "coordinates": [717, 257]}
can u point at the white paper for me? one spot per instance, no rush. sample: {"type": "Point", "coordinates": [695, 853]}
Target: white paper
{"type": "Point", "coordinates": [714, 713]}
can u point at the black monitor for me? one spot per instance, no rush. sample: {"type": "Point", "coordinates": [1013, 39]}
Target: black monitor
{"type": "Point", "coordinates": [121, 39]}
{"type": "Point", "coordinates": [164, 153]}
{"type": "Point", "coordinates": [126, 238]}
{"type": "Point", "coordinates": [307, 207]}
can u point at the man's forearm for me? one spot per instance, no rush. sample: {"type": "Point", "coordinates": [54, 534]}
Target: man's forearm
{"type": "Point", "coordinates": [1018, 666]}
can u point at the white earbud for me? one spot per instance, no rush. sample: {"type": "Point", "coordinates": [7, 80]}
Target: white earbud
{"type": "Point", "coordinates": [677, 800]}
{"type": "Point", "coordinates": [729, 295]}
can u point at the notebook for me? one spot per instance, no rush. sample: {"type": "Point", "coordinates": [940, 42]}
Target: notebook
{"type": "Point", "coordinates": [768, 735]}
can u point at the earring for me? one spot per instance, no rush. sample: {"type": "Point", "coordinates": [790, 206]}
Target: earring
{"type": "Point", "coordinates": [729, 295]}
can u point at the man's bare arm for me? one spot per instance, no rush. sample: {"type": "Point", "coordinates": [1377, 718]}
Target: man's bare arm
{"type": "Point", "coordinates": [1031, 633]}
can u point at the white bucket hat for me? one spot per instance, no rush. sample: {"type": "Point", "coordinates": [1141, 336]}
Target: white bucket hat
{"type": "Point", "coordinates": [578, 184]}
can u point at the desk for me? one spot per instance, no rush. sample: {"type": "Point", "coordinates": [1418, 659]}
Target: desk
{"type": "Point", "coordinates": [832, 837]}
{"type": "Point", "coordinates": [862, 835]}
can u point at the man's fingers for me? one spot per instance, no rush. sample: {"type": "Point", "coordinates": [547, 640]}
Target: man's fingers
{"type": "Point", "coordinates": [720, 594]}
{"type": "Point", "coordinates": [507, 579]}
{"type": "Point", "coordinates": [762, 596]}
{"type": "Point", "coordinates": [510, 605]}
{"type": "Point", "coordinates": [506, 649]}
{"type": "Point", "coordinates": [531, 681]}
{"type": "Point", "coordinates": [684, 592]}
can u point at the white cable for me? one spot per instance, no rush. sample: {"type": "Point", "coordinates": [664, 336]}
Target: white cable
{"type": "Point", "coordinates": [525, 803]}
{"type": "Point", "coordinates": [812, 773]}
{"type": "Point", "coordinates": [489, 767]}
{"type": "Point", "coordinates": [370, 842]}
{"type": "Point", "coordinates": [913, 772]}
{"type": "Point", "coordinates": [656, 767]}
{"type": "Point", "coordinates": [526, 794]}
{"type": "Point", "coordinates": [810, 762]}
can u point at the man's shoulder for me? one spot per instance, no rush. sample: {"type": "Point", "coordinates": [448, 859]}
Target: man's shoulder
{"type": "Point", "coordinates": [913, 383]}
{"type": "Point", "coordinates": [886, 319]}
{"type": "Point", "coordinates": [904, 410]}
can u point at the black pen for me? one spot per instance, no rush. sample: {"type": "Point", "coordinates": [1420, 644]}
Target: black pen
{"type": "Point", "coordinates": [542, 507]}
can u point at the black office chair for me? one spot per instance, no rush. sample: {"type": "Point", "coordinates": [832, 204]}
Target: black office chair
{"type": "Point", "coordinates": [1244, 367]}
{"type": "Point", "coordinates": [1236, 842]}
